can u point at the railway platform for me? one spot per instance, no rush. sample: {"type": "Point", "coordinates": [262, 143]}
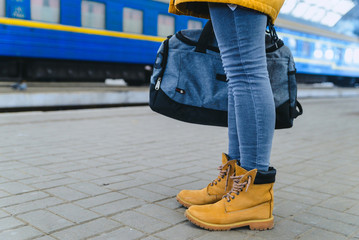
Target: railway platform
{"type": "Point", "coordinates": [67, 95]}
{"type": "Point", "coordinates": [114, 173]}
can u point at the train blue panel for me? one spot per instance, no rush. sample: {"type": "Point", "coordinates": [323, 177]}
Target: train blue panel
{"type": "Point", "coordinates": [19, 41]}
{"type": "Point", "coordinates": [322, 55]}
{"type": "Point", "coordinates": [39, 43]}
{"type": "Point", "coordinates": [313, 54]}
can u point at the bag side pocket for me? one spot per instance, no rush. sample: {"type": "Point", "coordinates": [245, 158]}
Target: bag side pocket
{"type": "Point", "coordinates": [278, 74]}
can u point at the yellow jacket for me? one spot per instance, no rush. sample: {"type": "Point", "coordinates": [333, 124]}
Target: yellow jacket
{"type": "Point", "coordinates": [199, 8]}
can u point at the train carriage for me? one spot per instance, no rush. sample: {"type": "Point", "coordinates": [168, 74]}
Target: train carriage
{"type": "Point", "coordinates": [91, 40]}
{"type": "Point", "coordinates": [84, 40]}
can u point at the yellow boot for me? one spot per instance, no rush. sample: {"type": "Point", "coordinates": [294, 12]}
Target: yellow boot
{"type": "Point", "coordinates": [249, 203]}
{"type": "Point", "coordinates": [215, 190]}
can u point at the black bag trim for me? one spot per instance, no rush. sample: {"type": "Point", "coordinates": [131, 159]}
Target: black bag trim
{"type": "Point", "coordinates": [164, 57]}
{"type": "Point", "coordinates": [278, 44]}
{"type": "Point", "coordinates": [162, 104]}
{"type": "Point", "coordinates": [188, 41]}
{"type": "Point", "coordinates": [185, 40]}
{"type": "Point", "coordinates": [295, 112]}
{"type": "Point", "coordinates": [264, 177]}
{"type": "Point", "coordinates": [204, 39]}
{"type": "Point", "coordinates": [292, 72]}
{"type": "Point", "coordinates": [221, 77]}
{"type": "Point", "coordinates": [283, 113]}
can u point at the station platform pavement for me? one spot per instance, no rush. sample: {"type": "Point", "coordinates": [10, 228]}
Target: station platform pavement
{"type": "Point", "coordinates": [67, 94]}
{"type": "Point", "coordinates": [114, 173]}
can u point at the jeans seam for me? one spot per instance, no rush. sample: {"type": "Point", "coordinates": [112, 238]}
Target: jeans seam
{"type": "Point", "coordinates": [230, 145]}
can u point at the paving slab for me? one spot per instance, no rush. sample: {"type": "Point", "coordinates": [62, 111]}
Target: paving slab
{"type": "Point", "coordinates": [114, 174]}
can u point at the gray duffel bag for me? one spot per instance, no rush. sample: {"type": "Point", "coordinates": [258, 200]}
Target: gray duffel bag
{"type": "Point", "coordinates": [188, 82]}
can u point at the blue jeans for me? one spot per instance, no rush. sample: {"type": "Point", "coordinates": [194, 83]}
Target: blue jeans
{"type": "Point", "coordinates": [251, 111]}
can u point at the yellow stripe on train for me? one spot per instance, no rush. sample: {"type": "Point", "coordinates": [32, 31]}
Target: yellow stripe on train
{"type": "Point", "coordinates": [59, 27]}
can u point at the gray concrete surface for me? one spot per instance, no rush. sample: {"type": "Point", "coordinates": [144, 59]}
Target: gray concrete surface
{"type": "Point", "coordinates": [47, 94]}
{"type": "Point", "coordinates": [114, 173]}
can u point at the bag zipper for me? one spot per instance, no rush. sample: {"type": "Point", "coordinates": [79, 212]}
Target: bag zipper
{"type": "Point", "coordinates": [158, 84]}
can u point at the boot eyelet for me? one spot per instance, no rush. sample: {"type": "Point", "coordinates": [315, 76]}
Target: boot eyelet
{"type": "Point", "coordinates": [229, 200]}
{"type": "Point", "coordinates": [237, 193]}
{"type": "Point", "coordinates": [219, 180]}
{"type": "Point", "coordinates": [215, 183]}
{"type": "Point", "coordinates": [233, 197]}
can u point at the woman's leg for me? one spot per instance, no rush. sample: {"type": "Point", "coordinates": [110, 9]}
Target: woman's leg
{"type": "Point", "coordinates": [240, 36]}
{"type": "Point", "coordinates": [241, 39]}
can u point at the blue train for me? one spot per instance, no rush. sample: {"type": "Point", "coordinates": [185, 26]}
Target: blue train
{"type": "Point", "coordinates": [81, 40]}
{"type": "Point", "coordinates": [321, 55]}
{"type": "Point", "coordinates": [84, 40]}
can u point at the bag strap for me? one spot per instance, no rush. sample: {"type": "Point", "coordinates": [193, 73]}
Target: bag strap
{"type": "Point", "coordinates": [206, 36]}
{"type": "Point", "coordinates": [277, 43]}
{"type": "Point", "coordinates": [271, 31]}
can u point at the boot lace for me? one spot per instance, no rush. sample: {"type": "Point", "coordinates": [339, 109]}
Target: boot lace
{"type": "Point", "coordinates": [237, 187]}
{"type": "Point", "coordinates": [222, 174]}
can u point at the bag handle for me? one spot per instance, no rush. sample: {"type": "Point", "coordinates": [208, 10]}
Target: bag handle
{"type": "Point", "coordinates": [272, 32]}
{"type": "Point", "coordinates": [206, 36]}
{"type": "Point", "coordinates": [295, 112]}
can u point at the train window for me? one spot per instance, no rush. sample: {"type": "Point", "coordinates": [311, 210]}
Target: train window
{"type": "Point", "coordinates": [339, 55]}
{"type": "Point", "coordinates": [93, 14]}
{"type": "Point", "coordinates": [329, 54]}
{"type": "Point", "coordinates": [318, 50]}
{"type": "Point", "coordinates": [356, 55]}
{"type": "Point", "coordinates": [194, 24]}
{"type": "Point", "coordinates": [2, 8]}
{"type": "Point", "coordinates": [132, 20]}
{"type": "Point", "coordinates": [318, 53]}
{"type": "Point", "coordinates": [45, 10]}
{"type": "Point", "coordinates": [292, 43]}
{"type": "Point", "coordinates": [306, 49]}
{"type": "Point", "coordinates": [165, 25]}
{"type": "Point", "coordinates": [348, 55]}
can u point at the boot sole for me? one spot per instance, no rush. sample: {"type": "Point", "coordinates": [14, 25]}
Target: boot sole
{"type": "Point", "coordinates": [265, 224]}
{"type": "Point", "coordinates": [182, 202]}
